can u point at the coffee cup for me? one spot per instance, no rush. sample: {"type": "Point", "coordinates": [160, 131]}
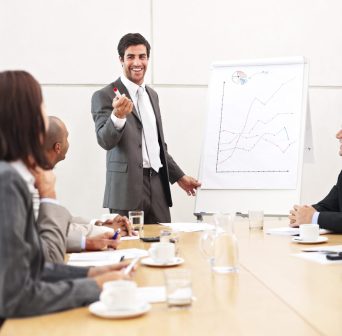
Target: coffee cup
{"type": "Point", "coordinates": [162, 252]}
{"type": "Point", "coordinates": [309, 232]}
{"type": "Point", "coordinates": [119, 295]}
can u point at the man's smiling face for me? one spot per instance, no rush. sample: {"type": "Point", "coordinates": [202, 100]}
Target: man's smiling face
{"type": "Point", "coordinates": [135, 62]}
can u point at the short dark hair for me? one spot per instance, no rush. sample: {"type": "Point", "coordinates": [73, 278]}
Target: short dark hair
{"type": "Point", "coordinates": [132, 40]}
{"type": "Point", "coordinates": [22, 126]}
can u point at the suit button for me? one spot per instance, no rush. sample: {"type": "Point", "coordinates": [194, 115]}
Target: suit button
{"type": "Point", "coordinates": [139, 127]}
{"type": "Point", "coordinates": [139, 145]}
{"type": "Point", "coordinates": [140, 165]}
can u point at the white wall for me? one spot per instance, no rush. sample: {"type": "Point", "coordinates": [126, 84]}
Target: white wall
{"type": "Point", "coordinates": [70, 47]}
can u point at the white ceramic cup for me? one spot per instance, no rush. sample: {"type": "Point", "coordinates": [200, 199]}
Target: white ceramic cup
{"type": "Point", "coordinates": [119, 295]}
{"type": "Point", "coordinates": [309, 232]}
{"type": "Point", "coordinates": [162, 252]}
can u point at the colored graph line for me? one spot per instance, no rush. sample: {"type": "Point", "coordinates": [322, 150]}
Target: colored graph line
{"type": "Point", "coordinates": [246, 134]}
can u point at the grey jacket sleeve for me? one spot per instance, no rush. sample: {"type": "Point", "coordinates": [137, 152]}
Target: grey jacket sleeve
{"type": "Point", "coordinates": [56, 272]}
{"type": "Point", "coordinates": [73, 241]}
{"type": "Point", "coordinates": [175, 172]}
{"type": "Point", "coordinates": [101, 108]}
{"type": "Point", "coordinates": [22, 290]}
{"type": "Point", "coordinates": [53, 221]}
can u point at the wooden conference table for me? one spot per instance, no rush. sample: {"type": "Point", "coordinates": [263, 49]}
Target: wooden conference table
{"type": "Point", "coordinates": [273, 293]}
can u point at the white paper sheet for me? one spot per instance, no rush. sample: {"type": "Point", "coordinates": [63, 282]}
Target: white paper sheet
{"type": "Point", "coordinates": [320, 257]}
{"type": "Point", "coordinates": [189, 227]}
{"type": "Point", "coordinates": [101, 258]}
{"type": "Point", "coordinates": [254, 129]}
{"type": "Point", "coordinates": [130, 238]}
{"type": "Point", "coordinates": [289, 231]}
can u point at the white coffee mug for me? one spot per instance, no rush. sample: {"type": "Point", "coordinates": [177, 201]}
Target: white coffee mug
{"type": "Point", "coordinates": [119, 295]}
{"type": "Point", "coordinates": [309, 232]}
{"type": "Point", "coordinates": [162, 252]}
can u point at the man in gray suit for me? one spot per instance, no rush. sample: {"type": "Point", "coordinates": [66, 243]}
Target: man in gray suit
{"type": "Point", "coordinates": [81, 234]}
{"type": "Point", "coordinates": [128, 125]}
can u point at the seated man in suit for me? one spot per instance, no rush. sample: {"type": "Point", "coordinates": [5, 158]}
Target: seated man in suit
{"type": "Point", "coordinates": [328, 212]}
{"type": "Point", "coordinates": [82, 234]}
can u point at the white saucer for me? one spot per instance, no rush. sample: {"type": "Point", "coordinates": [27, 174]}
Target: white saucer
{"type": "Point", "coordinates": [318, 241]}
{"type": "Point", "coordinates": [99, 309]}
{"type": "Point", "coordinates": [150, 262]}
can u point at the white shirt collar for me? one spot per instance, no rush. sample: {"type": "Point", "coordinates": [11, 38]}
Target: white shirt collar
{"type": "Point", "coordinates": [131, 87]}
{"type": "Point", "coordinates": [23, 171]}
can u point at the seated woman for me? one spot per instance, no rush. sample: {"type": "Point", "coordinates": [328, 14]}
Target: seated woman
{"type": "Point", "coordinates": [28, 284]}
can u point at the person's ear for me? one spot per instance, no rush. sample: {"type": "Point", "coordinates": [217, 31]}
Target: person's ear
{"type": "Point", "coordinates": [57, 147]}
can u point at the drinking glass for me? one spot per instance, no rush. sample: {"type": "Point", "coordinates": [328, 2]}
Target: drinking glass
{"type": "Point", "coordinates": [136, 217]}
{"type": "Point", "coordinates": [178, 288]}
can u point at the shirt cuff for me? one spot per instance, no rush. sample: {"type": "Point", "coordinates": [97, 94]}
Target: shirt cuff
{"type": "Point", "coordinates": [93, 221]}
{"type": "Point", "coordinates": [49, 200]}
{"type": "Point", "coordinates": [315, 218]}
{"type": "Point", "coordinates": [118, 122]}
{"type": "Point", "coordinates": [83, 243]}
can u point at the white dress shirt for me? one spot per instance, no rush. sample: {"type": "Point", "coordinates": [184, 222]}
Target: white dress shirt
{"type": "Point", "coordinates": [119, 123]}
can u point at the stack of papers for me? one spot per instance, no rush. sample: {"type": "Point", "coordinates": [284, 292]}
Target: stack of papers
{"type": "Point", "coordinates": [290, 231]}
{"type": "Point", "coordinates": [189, 227]}
{"type": "Point", "coordinates": [318, 254]}
{"type": "Point", "coordinates": [130, 238]}
{"type": "Point", "coordinates": [102, 258]}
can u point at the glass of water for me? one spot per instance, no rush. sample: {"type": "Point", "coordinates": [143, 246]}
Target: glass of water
{"type": "Point", "coordinates": [136, 217]}
{"type": "Point", "coordinates": [178, 288]}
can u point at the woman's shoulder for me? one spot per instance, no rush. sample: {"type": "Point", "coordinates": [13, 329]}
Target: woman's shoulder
{"type": "Point", "coordinates": [9, 175]}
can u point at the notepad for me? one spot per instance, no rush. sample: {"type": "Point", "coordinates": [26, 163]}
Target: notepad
{"type": "Point", "coordinates": [101, 258]}
{"type": "Point", "coordinates": [189, 227]}
{"type": "Point", "coordinates": [320, 257]}
{"type": "Point", "coordinates": [290, 231]}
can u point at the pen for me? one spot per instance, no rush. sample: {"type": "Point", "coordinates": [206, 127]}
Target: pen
{"type": "Point", "coordinates": [131, 265]}
{"type": "Point", "coordinates": [117, 92]}
{"type": "Point", "coordinates": [116, 233]}
{"type": "Point", "coordinates": [122, 258]}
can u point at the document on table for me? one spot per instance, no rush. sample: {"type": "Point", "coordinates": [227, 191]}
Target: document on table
{"type": "Point", "coordinates": [152, 294]}
{"type": "Point", "coordinates": [290, 231]}
{"type": "Point", "coordinates": [318, 254]}
{"type": "Point", "coordinates": [130, 238]}
{"type": "Point", "coordinates": [189, 227]}
{"type": "Point", "coordinates": [101, 258]}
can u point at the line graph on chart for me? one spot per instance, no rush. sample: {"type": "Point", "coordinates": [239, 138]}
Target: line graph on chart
{"type": "Point", "coordinates": [255, 120]}
{"type": "Point", "coordinates": [254, 129]}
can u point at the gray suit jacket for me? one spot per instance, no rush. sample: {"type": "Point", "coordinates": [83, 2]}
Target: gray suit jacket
{"type": "Point", "coordinates": [124, 178]}
{"type": "Point", "coordinates": [53, 222]}
{"type": "Point", "coordinates": [28, 286]}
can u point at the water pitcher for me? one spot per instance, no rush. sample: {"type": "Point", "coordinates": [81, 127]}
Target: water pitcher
{"type": "Point", "coordinates": [225, 247]}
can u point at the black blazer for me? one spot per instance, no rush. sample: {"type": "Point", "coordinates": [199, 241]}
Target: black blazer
{"type": "Point", "coordinates": [330, 208]}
